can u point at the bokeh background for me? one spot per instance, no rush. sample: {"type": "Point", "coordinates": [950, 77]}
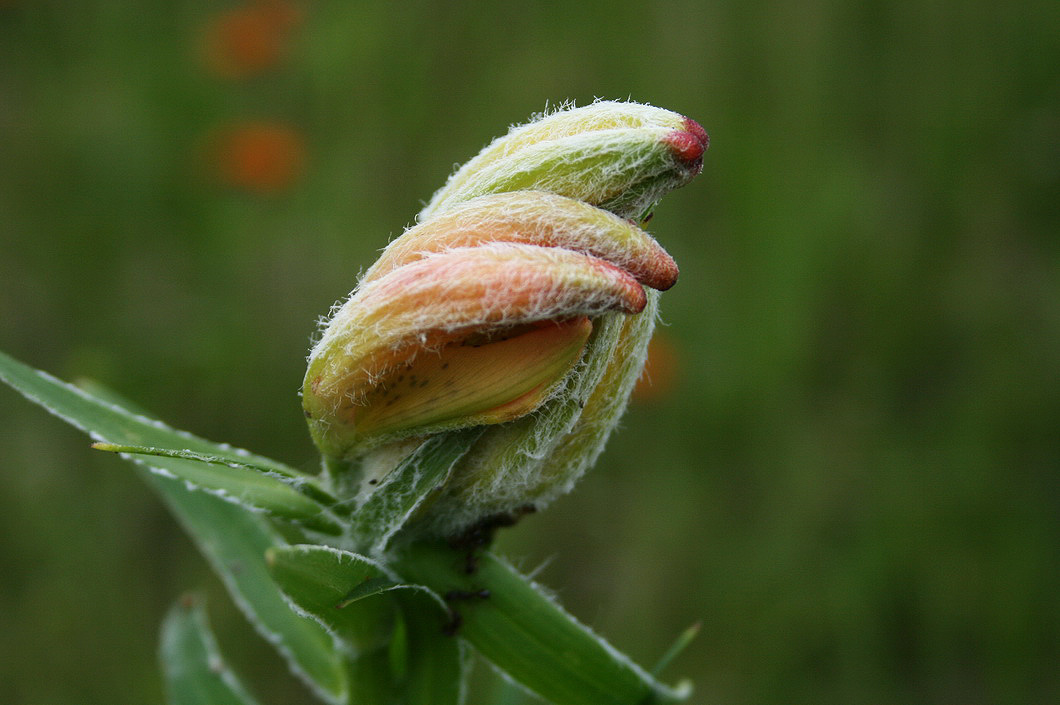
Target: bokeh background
{"type": "Point", "coordinates": [845, 468]}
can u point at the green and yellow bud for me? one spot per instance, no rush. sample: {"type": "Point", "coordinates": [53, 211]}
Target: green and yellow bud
{"type": "Point", "coordinates": [620, 156]}
{"type": "Point", "coordinates": [517, 302]}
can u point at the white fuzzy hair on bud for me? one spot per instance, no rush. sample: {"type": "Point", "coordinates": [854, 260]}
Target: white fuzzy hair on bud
{"type": "Point", "coordinates": [615, 155]}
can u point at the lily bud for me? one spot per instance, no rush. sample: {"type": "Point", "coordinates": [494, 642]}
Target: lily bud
{"type": "Point", "coordinates": [517, 302]}
{"type": "Point", "coordinates": [620, 156]}
{"type": "Point", "coordinates": [439, 337]}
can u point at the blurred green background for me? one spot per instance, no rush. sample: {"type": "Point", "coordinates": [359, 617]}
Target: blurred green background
{"type": "Point", "coordinates": [847, 467]}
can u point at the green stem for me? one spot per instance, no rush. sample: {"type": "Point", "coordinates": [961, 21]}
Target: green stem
{"type": "Point", "coordinates": [343, 479]}
{"type": "Point", "coordinates": [371, 679]}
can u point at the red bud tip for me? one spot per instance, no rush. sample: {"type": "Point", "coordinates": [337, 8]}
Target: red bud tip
{"type": "Point", "coordinates": [696, 129]}
{"type": "Point", "coordinates": [690, 143]}
{"type": "Point", "coordinates": [686, 146]}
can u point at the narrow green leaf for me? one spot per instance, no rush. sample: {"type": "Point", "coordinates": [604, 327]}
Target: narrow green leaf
{"type": "Point", "coordinates": [246, 488]}
{"type": "Point", "coordinates": [232, 539]}
{"type": "Point", "coordinates": [371, 680]}
{"type": "Point", "coordinates": [528, 636]}
{"type": "Point", "coordinates": [407, 487]}
{"type": "Point", "coordinates": [304, 484]}
{"type": "Point", "coordinates": [114, 422]}
{"type": "Point", "coordinates": [107, 422]}
{"type": "Point", "coordinates": [194, 672]}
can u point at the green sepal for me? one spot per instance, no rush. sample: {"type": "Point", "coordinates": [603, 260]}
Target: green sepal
{"type": "Point", "coordinates": [192, 667]}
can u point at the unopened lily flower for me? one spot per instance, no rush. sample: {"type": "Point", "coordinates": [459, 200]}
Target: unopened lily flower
{"type": "Point", "coordinates": [523, 300]}
{"type": "Point", "coordinates": [473, 317]}
{"type": "Point", "coordinates": [622, 157]}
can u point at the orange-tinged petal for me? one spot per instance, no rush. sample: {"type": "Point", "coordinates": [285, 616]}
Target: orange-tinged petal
{"type": "Point", "coordinates": [429, 306]}
{"type": "Point", "coordinates": [469, 384]}
{"type": "Point", "coordinates": [535, 218]}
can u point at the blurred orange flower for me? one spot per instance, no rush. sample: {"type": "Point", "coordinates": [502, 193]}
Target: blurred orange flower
{"type": "Point", "coordinates": [247, 40]}
{"type": "Point", "coordinates": [263, 157]}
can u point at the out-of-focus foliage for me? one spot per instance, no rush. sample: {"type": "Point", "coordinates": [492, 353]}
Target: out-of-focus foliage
{"type": "Point", "coordinates": [849, 473]}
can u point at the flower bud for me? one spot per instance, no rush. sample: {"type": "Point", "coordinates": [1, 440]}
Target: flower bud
{"type": "Point", "coordinates": [620, 156]}
{"type": "Point", "coordinates": [517, 303]}
{"type": "Point", "coordinates": [460, 336]}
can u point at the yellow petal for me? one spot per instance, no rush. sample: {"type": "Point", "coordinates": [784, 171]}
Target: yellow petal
{"type": "Point", "coordinates": [471, 384]}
